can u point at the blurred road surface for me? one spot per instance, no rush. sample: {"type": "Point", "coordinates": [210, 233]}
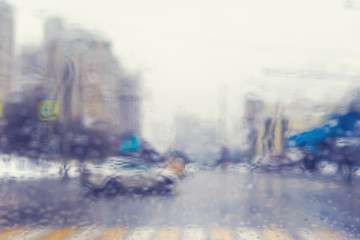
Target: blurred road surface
{"type": "Point", "coordinates": [206, 205]}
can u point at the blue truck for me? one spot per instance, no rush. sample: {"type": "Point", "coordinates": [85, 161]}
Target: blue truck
{"type": "Point", "coordinates": [337, 140]}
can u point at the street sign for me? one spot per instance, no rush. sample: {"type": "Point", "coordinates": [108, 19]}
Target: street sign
{"type": "Point", "coordinates": [48, 110]}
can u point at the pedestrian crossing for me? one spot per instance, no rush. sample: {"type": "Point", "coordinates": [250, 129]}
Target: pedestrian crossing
{"type": "Point", "coordinates": [190, 232]}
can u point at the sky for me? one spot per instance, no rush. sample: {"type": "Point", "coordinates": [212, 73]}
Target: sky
{"type": "Point", "coordinates": [191, 52]}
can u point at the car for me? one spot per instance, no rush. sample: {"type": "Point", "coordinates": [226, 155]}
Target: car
{"type": "Point", "coordinates": [342, 151]}
{"type": "Point", "coordinates": [176, 165]}
{"type": "Point", "coordinates": [274, 162]}
{"type": "Point", "coordinates": [191, 168]}
{"type": "Point", "coordinates": [121, 175]}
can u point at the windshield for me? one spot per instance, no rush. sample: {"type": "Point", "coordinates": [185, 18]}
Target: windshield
{"type": "Point", "coordinates": [190, 119]}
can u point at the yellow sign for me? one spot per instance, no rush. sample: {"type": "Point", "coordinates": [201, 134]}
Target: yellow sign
{"type": "Point", "coordinates": [48, 110]}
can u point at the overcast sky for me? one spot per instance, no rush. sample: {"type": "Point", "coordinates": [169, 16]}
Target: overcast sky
{"type": "Point", "coordinates": [189, 50]}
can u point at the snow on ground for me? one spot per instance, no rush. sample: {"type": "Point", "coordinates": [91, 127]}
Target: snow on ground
{"type": "Point", "coordinates": [22, 168]}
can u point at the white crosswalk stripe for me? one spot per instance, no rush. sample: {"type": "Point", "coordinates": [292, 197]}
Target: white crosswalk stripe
{"type": "Point", "coordinates": [190, 232]}
{"type": "Point", "coordinates": [305, 234]}
{"type": "Point", "coordinates": [194, 233]}
{"type": "Point", "coordinates": [248, 234]}
{"type": "Point", "coordinates": [91, 233]}
{"type": "Point", "coordinates": [31, 234]}
{"type": "Point", "coordinates": [144, 233]}
{"type": "Point", "coordinates": [329, 235]}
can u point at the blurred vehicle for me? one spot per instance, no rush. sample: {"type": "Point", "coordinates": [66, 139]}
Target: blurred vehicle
{"type": "Point", "coordinates": [138, 148]}
{"type": "Point", "coordinates": [336, 142]}
{"type": "Point", "coordinates": [224, 161]}
{"type": "Point", "coordinates": [176, 161]}
{"type": "Point", "coordinates": [176, 165]}
{"type": "Point", "coordinates": [239, 168]}
{"type": "Point", "coordinates": [191, 168]}
{"type": "Point", "coordinates": [121, 175]}
{"type": "Point", "coordinates": [271, 162]}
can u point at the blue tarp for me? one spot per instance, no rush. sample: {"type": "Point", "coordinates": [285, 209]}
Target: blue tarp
{"type": "Point", "coordinates": [341, 125]}
{"type": "Point", "coordinates": [130, 145]}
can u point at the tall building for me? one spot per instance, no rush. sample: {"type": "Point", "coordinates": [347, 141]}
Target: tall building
{"type": "Point", "coordinates": [267, 126]}
{"type": "Point", "coordinates": [222, 120]}
{"type": "Point", "coordinates": [30, 68]}
{"type": "Point", "coordinates": [130, 102]}
{"type": "Point", "coordinates": [198, 139]}
{"type": "Point", "coordinates": [6, 50]}
{"type": "Point", "coordinates": [253, 109]}
{"type": "Point", "coordinates": [272, 129]}
{"type": "Point", "coordinates": [86, 79]}
{"type": "Point", "coordinates": [304, 115]}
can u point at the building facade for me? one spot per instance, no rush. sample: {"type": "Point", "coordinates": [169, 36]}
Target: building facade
{"type": "Point", "coordinates": [269, 125]}
{"type": "Point", "coordinates": [6, 50]}
{"type": "Point", "coordinates": [88, 82]}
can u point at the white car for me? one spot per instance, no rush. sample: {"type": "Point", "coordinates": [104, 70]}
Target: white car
{"type": "Point", "coordinates": [119, 175]}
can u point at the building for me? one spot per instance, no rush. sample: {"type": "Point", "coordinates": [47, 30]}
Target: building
{"type": "Point", "coordinates": [253, 108]}
{"type": "Point", "coordinates": [196, 138]}
{"type": "Point", "coordinates": [304, 115]}
{"type": "Point", "coordinates": [269, 125]}
{"type": "Point", "coordinates": [6, 50]}
{"type": "Point", "coordinates": [272, 130]}
{"type": "Point", "coordinates": [30, 68]}
{"type": "Point", "coordinates": [91, 87]}
{"type": "Point", "coordinates": [130, 102]}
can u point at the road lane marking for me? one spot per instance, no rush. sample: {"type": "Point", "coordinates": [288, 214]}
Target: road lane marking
{"type": "Point", "coordinates": [113, 233]}
{"type": "Point", "coordinates": [169, 233]}
{"type": "Point", "coordinates": [24, 234]}
{"type": "Point", "coordinates": [276, 234]}
{"type": "Point", "coordinates": [247, 234]}
{"type": "Point", "coordinates": [191, 232]}
{"type": "Point", "coordinates": [305, 234]}
{"type": "Point", "coordinates": [329, 235]}
{"type": "Point", "coordinates": [144, 233]}
{"type": "Point", "coordinates": [59, 234]}
{"type": "Point", "coordinates": [12, 232]}
{"type": "Point", "coordinates": [32, 234]}
{"type": "Point", "coordinates": [221, 234]}
{"type": "Point", "coordinates": [194, 233]}
{"type": "Point", "coordinates": [89, 233]}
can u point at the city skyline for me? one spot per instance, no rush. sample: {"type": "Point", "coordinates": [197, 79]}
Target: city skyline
{"type": "Point", "coordinates": [186, 52]}
{"type": "Point", "coordinates": [74, 71]}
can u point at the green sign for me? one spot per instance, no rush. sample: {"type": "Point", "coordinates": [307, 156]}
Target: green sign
{"type": "Point", "coordinates": [48, 110]}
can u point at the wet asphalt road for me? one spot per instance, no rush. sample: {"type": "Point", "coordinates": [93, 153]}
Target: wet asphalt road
{"type": "Point", "coordinates": [206, 198]}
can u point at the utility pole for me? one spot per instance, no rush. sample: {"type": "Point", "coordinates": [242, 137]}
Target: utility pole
{"type": "Point", "coordinates": [222, 121]}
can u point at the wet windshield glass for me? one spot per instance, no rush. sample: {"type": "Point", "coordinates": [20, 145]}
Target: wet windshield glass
{"type": "Point", "coordinates": [191, 119]}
